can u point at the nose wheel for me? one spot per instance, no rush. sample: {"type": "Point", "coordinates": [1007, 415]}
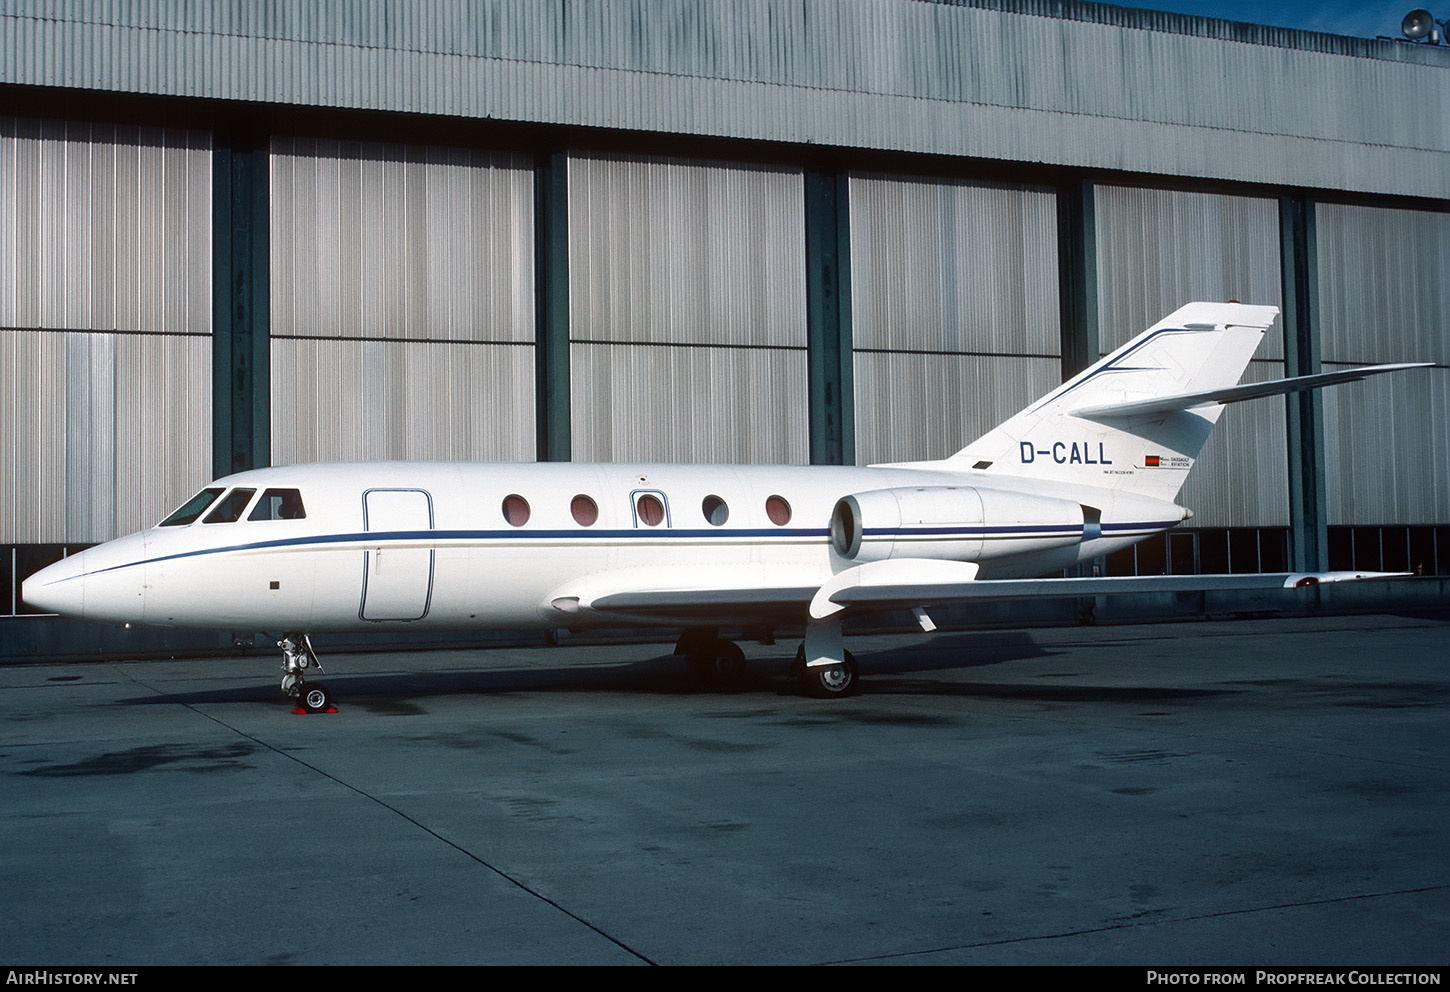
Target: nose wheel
{"type": "Point", "coordinates": [297, 658]}
{"type": "Point", "coordinates": [314, 697]}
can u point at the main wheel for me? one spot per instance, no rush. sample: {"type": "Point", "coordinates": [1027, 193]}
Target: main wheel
{"type": "Point", "coordinates": [830, 681]}
{"type": "Point", "coordinates": [722, 665]}
{"type": "Point", "coordinates": [314, 697]}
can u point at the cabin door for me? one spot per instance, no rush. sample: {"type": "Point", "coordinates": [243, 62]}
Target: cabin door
{"type": "Point", "coordinates": [398, 568]}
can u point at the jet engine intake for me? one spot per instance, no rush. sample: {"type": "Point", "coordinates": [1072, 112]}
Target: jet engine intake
{"type": "Point", "coordinates": [954, 523]}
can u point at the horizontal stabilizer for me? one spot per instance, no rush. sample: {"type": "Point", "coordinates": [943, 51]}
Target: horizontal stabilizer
{"type": "Point", "coordinates": [1235, 394]}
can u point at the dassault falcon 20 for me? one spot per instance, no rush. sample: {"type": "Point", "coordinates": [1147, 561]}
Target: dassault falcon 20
{"type": "Point", "coordinates": [1090, 468]}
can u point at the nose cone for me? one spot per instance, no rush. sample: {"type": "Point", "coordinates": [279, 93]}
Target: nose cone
{"type": "Point", "coordinates": [100, 583]}
{"type": "Point", "coordinates": [58, 588]}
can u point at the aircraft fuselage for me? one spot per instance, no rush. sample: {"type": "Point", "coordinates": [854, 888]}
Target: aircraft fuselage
{"type": "Point", "coordinates": [448, 545]}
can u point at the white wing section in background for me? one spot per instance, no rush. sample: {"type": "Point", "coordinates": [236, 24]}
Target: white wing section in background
{"type": "Point", "coordinates": [746, 594]}
{"type": "Point", "coordinates": [686, 594]}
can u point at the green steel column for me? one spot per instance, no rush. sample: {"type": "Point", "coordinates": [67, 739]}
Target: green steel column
{"type": "Point", "coordinates": [241, 310]}
{"type": "Point", "coordinates": [551, 306]}
{"type": "Point", "coordinates": [1077, 301]}
{"type": "Point", "coordinates": [1308, 496]}
{"type": "Point", "coordinates": [828, 319]}
{"type": "Point", "coordinates": [1077, 267]}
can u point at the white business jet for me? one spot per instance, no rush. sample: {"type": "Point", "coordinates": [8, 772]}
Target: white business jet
{"type": "Point", "coordinates": [1092, 467]}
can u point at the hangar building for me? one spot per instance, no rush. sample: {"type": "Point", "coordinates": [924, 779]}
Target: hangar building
{"type": "Point", "coordinates": [794, 231]}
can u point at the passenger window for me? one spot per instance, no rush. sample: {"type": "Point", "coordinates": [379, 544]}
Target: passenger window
{"type": "Point", "coordinates": [585, 511]}
{"type": "Point", "coordinates": [192, 508]}
{"type": "Point", "coordinates": [778, 510]}
{"type": "Point", "coordinates": [715, 510]}
{"type": "Point", "coordinates": [279, 504]}
{"type": "Point", "coordinates": [229, 510]}
{"type": "Point", "coordinates": [650, 510]}
{"type": "Point", "coordinates": [516, 510]}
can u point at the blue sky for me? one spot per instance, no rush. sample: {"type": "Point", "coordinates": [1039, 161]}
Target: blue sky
{"type": "Point", "coordinates": [1363, 19]}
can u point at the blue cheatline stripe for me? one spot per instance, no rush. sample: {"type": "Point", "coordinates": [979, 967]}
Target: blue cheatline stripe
{"type": "Point", "coordinates": [364, 539]}
{"type": "Point", "coordinates": [1004, 531]}
{"type": "Point", "coordinates": [1011, 530]}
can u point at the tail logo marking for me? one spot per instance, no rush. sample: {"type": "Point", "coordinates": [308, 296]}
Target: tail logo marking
{"type": "Point", "coordinates": [1167, 461]}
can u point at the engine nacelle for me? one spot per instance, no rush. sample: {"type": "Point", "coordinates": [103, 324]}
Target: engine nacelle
{"type": "Point", "coordinates": [956, 523]}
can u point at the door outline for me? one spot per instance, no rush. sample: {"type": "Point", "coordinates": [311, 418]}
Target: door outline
{"type": "Point", "coordinates": [635, 495]}
{"type": "Point", "coordinates": [372, 559]}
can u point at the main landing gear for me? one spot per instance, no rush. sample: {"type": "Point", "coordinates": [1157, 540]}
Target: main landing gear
{"type": "Point", "coordinates": [714, 661]}
{"type": "Point", "coordinates": [721, 663]}
{"type": "Point", "coordinates": [827, 681]}
{"type": "Point", "coordinates": [297, 657]}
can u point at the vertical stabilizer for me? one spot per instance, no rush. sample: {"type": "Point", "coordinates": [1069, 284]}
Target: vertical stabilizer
{"type": "Point", "coordinates": [1200, 347]}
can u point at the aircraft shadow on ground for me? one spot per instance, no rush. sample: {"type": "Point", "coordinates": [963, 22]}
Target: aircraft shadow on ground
{"type": "Point", "coordinates": [923, 668]}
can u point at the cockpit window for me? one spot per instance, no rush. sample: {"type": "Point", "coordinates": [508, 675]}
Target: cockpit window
{"type": "Point", "coordinates": [229, 510]}
{"type": "Point", "coordinates": [279, 504]}
{"type": "Point", "coordinates": [191, 509]}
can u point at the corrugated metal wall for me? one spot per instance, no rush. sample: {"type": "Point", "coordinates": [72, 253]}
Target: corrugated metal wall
{"type": "Point", "coordinates": [402, 287]}
{"type": "Point", "coordinates": [687, 311]}
{"type": "Point", "coordinates": [1097, 89]}
{"type": "Point", "coordinates": [1158, 250]}
{"type": "Point", "coordinates": [954, 305]}
{"type": "Point", "coordinates": [403, 322]}
{"type": "Point", "coordinates": [1385, 297]}
{"type": "Point", "coordinates": [105, 324]}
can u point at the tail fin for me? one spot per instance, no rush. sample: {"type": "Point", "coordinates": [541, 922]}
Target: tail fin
{"type": "Point", "coordinates": [1085, 432]}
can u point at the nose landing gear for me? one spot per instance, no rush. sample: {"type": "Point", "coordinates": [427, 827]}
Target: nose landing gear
{"type": "Point", "coordinates": [297, 657]}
